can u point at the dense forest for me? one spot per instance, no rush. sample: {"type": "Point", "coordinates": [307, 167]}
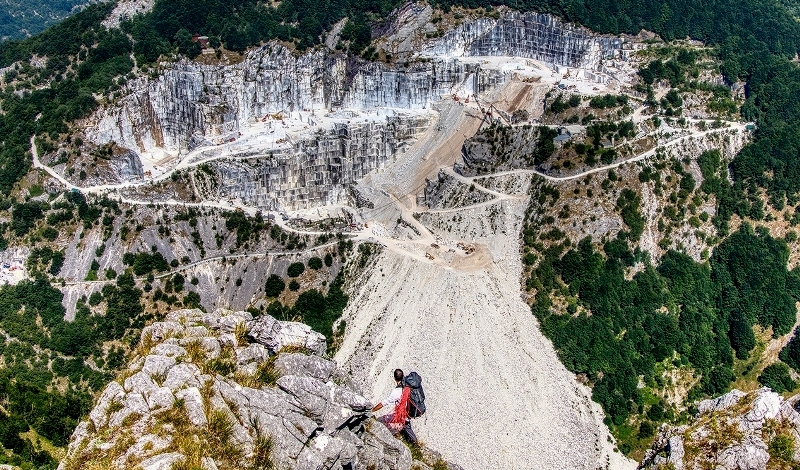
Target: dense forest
{"type": "Point", "coordinates": [683, 312]}
{"type": "Point", "coordinates": [21, 18]}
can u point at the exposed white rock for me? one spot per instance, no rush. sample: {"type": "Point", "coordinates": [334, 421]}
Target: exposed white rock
{"type": "Point", "coordinates": [193, 403]}
{"type": "Point", "coordinates": [720, 403]}
{"type": "Point", "coordinates": [276, 334]}
{"type": "Point", "coordinates": [162, 461]}
{"type": "Point", "coordinates": [126, 9]}
{"type": "Point", "coordinates": [531, 35]}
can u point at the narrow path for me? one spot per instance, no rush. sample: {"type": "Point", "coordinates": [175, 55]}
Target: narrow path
{"type": "Point", "coordinates": [636, 158]}
{"type": "Point", "coordinates": [407, 209]}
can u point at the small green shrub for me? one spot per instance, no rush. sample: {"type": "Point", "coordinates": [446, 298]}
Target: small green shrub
{"type": "Point", "coordinates": [781, 447]}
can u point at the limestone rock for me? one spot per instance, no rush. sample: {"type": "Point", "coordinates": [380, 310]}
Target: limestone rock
{"type": "Point", "coordinates": [276, 334]}
{"type": "Point", "coordinates": [721, 403]}
{"type": "Point", "coordinates": [312, 422]}
{"type": "Point", "coordinates": [751, 454]}
{"type": "Point", "coordinates": [729, 432]}
{"type": "Point", "coordinates": [162, 461]}
{"type": "Point", "coordinates": [313, 366]}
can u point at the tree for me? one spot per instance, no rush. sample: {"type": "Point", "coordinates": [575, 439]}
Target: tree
{"type": "Point", "coordinates": [790, 354]}
{"type": "Point", "coordinates": [315, 263]}
{"type": "Point", "coordinates": [741, 334]}
{"type": "Point", "coordinates": [777, 377]}
{"type": "Point", "coordinates": [274, 286]}
{"type": "Point", "coordinates": [295, 269]}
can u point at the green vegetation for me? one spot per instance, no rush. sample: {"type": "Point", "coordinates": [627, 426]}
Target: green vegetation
{"type": "Point", "coordinates": [628, 205]}
{"type": "Point", "coordinates": [777, 377]}
{"type": "Point", "coordinates": [681, 311]}
{"type": "Point", "coordinates": [781, 449]}
{"type": "Point", "coordinates": [28, 386]}
{"type": "Point", "coordinates": [608, 101]}
{"type": "Point", "coordinates": [296, 269]}
{"type": "Point", "coordinates": [144, 263]}
{"type": "Point", "coordinates": [25, 215]}
{"type": "Point", "coordinates": [315, 263]}
{"type": "Point", "coordinates": [17, 17]}
{"type": "Point", "coordinates": [274, 286]}
{"type": "Point", "coordinates": [317, 310]}
{"type": "Point", "coordinates": [246, 228]}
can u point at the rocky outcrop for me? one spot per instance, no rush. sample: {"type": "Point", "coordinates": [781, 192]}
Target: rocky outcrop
{"type": "Point", "coordinates": [127, 165]}
{"type": "Point", "coordinates": [126, 9]}
{"type": "Point", "coordinates": [498, 149]}
{"type": "Point", "coordinates": [735, 431]}
{"type": "Point", "coordinates": [224, 390]}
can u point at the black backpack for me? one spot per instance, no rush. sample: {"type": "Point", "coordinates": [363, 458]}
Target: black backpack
{"type": "Point", "coordinates": [416, 404]}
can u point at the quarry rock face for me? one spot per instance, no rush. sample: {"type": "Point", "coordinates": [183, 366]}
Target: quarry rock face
{"type": "Point", "coordinates": [199, 394]}
{"type": "Point", "coordinates": [530, 35]}
{"type": "Point", "coordinates": [366, 113]}
{"type": "Point", "coordinates": [317, 170]}
{"type": "Point", "coordinates": [735, 431]}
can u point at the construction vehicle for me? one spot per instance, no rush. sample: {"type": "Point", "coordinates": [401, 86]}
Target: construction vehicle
{"type": "Point", "coordinates": [468, 249]}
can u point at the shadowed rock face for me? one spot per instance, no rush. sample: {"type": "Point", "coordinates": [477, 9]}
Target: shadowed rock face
{"type": "Point", "coordinates": [196, 370]}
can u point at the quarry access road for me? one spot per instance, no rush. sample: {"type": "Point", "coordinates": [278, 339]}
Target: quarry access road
{"type": "Point", "coordinates": [38, 164]}
{"type": "Point", "coordinates": [251, 211]}
{"type": "Point", "coordinates": [642, 156]}
{"type": "Point", "coordinates": [106, 191]}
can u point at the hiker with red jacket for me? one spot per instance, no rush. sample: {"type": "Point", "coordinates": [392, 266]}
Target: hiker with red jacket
{"type": "Point", "coordinates": [407, 400]}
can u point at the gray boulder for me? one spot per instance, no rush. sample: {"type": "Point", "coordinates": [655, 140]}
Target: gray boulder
{"type": "Point", "coordinates": [276, 334]}
{"type": "Point", "coordinates": [312, 421]}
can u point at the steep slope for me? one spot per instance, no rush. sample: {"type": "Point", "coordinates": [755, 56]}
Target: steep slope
{"type": "Point", "coordinates": [447, 304]}
{"type": "Point", "coordinates": [492, 378]}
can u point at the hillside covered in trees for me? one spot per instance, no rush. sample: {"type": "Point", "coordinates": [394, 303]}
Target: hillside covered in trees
{"type": "Point", "coordinates": [21, 18]}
